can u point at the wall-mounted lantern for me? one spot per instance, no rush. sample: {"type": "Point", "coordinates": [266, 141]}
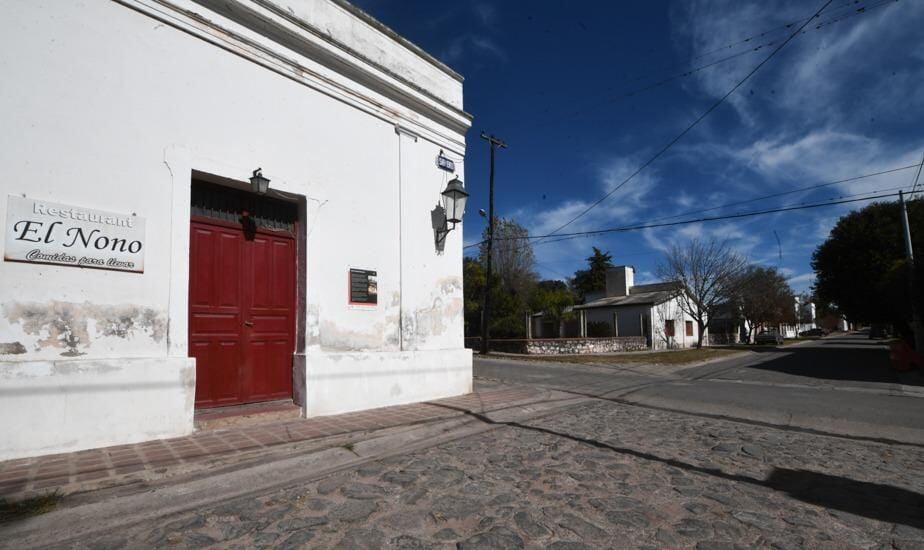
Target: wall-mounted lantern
{"type": "Point", "coordinates": [451, 211]}
{"type": "Point", "coordinates": [258, 183]}
{"type": "Point", "coordinates": [454, 198]}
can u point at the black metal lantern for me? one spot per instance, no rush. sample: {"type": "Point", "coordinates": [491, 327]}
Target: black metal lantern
{"type": "Point", "coordinates": [258, 183]}
{"type": "Point", "coordinates": [454, 198]}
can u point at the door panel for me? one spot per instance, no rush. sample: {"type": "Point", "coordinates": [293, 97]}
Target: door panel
{"type": "Point", "coordinates": [270, 339]}
{"type": "Point", "coordinates": [241, 314]}
{"type": "Point", "coordinates": [215, 312]}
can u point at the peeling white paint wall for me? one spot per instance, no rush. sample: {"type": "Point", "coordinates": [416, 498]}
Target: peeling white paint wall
{"type": "Point", "coordinates": [116, 104]}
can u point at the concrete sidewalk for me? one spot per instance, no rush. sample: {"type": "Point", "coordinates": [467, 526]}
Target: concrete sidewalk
{"type": "Point", "coordinates": [82, 471]}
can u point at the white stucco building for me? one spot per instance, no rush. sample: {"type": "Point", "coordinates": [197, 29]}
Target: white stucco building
{"type": "Point", "coordinates": [651, 310]}
{"type": "Point", "coordinates": [143, 278]}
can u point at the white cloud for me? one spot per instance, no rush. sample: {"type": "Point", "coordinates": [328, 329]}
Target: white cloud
{"type": "Point", "coordinates": [809, 77]}
{"type": "Point", "coordinates": [804, 280]}
{"type": "Point", "coordinates": [628, 205]}
{"type": "Point", "coordinates": [826, 155]}
{"type": "Point", "coordinates": [654, 238]}
{"type": "Point", "coordinates": [486, 13]}
{"type": "Point", "coordinates": [806, 122]}
{"type": "Point", "coordinates": [623, 206]}
{"type": "Point", "coordinates": [684, 200]}
{"type": "Point", "coordinates": [469, 44]}
{"type": "Point", "coordinates": [645, 278]}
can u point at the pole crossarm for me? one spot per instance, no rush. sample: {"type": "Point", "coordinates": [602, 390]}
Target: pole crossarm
{"type": "Point", "coordinates": [494, 140]}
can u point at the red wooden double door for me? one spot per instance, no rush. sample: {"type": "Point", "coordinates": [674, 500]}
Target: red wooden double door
{"type": "Point", "coordinates": [241, 313]}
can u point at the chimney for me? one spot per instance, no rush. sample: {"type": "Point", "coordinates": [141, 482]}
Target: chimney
{"type": "Point", "coordinates": [619, 280]}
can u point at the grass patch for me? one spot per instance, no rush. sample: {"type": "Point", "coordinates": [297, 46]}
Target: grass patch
{"type": "Point", "coordinates": [672, 357]}
{"type": "Point", "coordinates": [30, 507]}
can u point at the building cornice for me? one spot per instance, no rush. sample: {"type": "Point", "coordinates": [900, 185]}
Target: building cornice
{"type": "Point", "coordinates": [387, 31]}
{"type": "Point", "coordinates": [279, 43]}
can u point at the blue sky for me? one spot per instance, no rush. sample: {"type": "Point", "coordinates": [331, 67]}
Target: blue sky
{"type": "Point", "coordinates": [551, 78]}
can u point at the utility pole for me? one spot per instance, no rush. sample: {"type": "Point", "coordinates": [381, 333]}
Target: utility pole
{"type": "Point", "coordinates": [917, 324]}
{"type": "Point", "coordinates": [494, 143]}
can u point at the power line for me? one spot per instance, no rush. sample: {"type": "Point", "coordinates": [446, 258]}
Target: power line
{"type": "Point", "coordinates": [844, 199]}
{"type": "Point", "coordinates": [918, 175]}
{"type": "Point", "coordinates": [761, 34]}
{"type": "Point", "coordinates": [553, 271]}
{"type": "Point", "coordinates": [784, 193]}
{"type": "Point", "coordinates": [690, 71]}
{"type": "Point", "coordinates": [802, 206]}
{"type": "Point", "coordinates": [834, 19]}
{"type": "Point", "coordinates": [646, 88]}
{"type": "Point", "coordinates": [695, 122]}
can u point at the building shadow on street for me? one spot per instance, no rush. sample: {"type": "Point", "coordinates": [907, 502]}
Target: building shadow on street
{"type": "Point", "coordinates": [854, 363]}
{"type": "Point", "coordinates": [870, 500]}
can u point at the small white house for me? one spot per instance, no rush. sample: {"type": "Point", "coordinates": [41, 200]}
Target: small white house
{"type": "Point", "coordinates": [804, 316]}
{"type": "Point", "coordinates": [651, 310]}
{"type": "Point", "coordinates": [209, 203]}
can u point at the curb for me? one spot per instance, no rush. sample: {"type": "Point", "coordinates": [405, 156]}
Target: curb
{"type": "Point", "coordinates": [170, 499]}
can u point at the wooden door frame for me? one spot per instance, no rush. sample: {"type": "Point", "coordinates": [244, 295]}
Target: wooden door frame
{"type": "Point", "coordinates": [184, 165]}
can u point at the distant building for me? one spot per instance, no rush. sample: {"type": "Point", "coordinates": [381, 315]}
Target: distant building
{"type": "Point", "coordinates": [728, 326]}
{"type": "Point", "coordinates": [651, 311]}
{"type": "Point", "coordinates": [804, 319]}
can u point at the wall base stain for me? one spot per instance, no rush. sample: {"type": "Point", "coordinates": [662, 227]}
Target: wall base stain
{"type": "Point", "coordinates": [381, 336]}
{"type": "Point", "coordinates": [12, 348]}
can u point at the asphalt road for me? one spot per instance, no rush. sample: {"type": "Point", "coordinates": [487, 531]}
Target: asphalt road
{"type": "Point", "coordinates": [838, 385]}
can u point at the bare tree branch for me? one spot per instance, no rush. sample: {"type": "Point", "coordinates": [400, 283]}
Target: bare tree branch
{"type": "Point", "coordinates": [709, 272]}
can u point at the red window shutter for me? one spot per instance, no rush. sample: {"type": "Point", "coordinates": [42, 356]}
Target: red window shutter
{"type": "Point", "coordinates": [689, 328]}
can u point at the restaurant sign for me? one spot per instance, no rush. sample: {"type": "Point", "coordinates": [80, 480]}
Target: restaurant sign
{"type": "Point", "coordinates": [50, 233]}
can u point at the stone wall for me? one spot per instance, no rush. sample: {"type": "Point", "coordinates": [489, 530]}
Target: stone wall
{"type": "Point", "coordinates": [574, 346]}
{"type": "Point", "coordinates": [564, 346]}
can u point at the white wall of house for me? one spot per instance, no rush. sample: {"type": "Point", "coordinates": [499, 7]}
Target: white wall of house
{"type": "Point", "coordinates": [631, 319]}
{"type": "Point", "coordinates": [671, 310]}
{"type": "Point", "coordinates": [116, 104]}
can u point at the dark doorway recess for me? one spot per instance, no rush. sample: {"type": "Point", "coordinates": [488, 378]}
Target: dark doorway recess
{"type": "Point", "coordinates": [242, 295]}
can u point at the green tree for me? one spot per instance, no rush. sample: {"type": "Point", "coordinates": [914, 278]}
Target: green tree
{"type": "Point", "coordinates": [513, 259]}
{"type": "Point", "coordinates": [709, 271]}
{"type": "Point", "coordinates": [551, 297]}
{"type": "Point", "coordinates": [764, 297]}
{"type": "Point", "coordinates": [508, 309]}
{"type": "Point", "coordinates": [860, 270]}
{"type": "Point", "coordinates": [594, 277]}
{"type": "Point", "coordinates": [512, 281]}
{"type": "Point", "coordinates": [473, 283]}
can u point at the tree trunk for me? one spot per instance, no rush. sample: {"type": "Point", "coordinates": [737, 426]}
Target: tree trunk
{"type": "Point", "coordinates": [699, 337]}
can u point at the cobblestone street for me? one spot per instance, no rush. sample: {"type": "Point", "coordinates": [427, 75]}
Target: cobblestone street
{"type": "Point", "coordinates": [595, 475]}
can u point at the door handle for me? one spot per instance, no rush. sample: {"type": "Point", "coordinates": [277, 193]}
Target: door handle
{"type": "Point", "coordinates": [248, 323]}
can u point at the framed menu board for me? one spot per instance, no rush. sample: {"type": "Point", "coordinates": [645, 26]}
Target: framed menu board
{"type": "Point", "coordinates": [364, 287]}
